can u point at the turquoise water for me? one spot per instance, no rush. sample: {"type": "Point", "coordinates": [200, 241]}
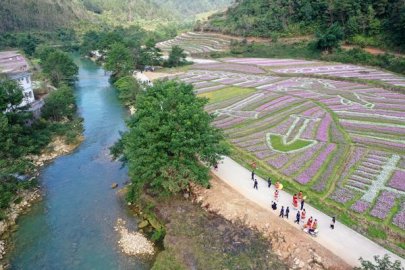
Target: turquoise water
{"type": "Point", "coordinates": [73, 227]}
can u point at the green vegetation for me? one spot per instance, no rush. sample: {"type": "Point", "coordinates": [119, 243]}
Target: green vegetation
{"type": "Point", "coordinates": [307, 50]}
{"type": "Point", "coordinates": [52, 15]}
{"type": "Point", "coordinates": [169, 135]}
{"type": "Point", "coordinates": [381, 21]}
{"type": "Point", "coordinates": [57, 66]}
{"type": "Point", "coordinates": [205, 240]}
{"type": "Point", "coordinates": [60, 105]}
{"type": "Point", "coordinates": [119, 60]}
{"type": "Point", "coordinates": [21, 135]}
{"type": "Point", "coordinates": [128, 89]}
{"type": "Point", "coordinates": [376, 233]}
{"type": "Point", "coordinates": [380, 263]}
{"type": "Point", "coordinates": [177, 57]}
{"type": "Point", "coordinates": [166, 260]}
{"type": "Point", "coordinates": [226, 93]}
{"type": "Point", "coordinates": [330, 39]}
{"type": "Point", "coordinates": [277, 143]}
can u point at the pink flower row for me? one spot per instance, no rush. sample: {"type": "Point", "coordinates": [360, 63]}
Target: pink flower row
{"type": "Point", "coordinates": [384, 204]}
{"type": "Point", "coordinates": [308, 174]}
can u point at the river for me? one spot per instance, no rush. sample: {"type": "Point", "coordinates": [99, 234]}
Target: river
{"type": "Point", "coordinates": [73, 227]}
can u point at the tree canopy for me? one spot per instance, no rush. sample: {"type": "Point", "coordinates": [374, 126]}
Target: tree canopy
{"type": "Point", "coordinates": [382, 20]}
{"type": "Point", "coordinates": [170, 141]}
{"type": "Point", "coordinates": [11, 94]}
{"type": "Point", "coordinates": [177, 57]}
{"type": "Point", "coordinates": [58, 66]}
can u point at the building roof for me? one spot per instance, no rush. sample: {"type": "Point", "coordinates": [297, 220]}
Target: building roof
{"type": "Point", "coordinates": [12, 62]}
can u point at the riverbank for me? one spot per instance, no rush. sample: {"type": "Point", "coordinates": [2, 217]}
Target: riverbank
{"type": "Point", "coordinates": [216, 228]}
{"type": "Point", "coordinates": [196, 238]}
{"type": "Point", "coordinates": [26, 198]}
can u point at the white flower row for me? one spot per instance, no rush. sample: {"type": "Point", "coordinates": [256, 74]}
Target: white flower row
{"type": "Point", "coordinates": [379, 184]}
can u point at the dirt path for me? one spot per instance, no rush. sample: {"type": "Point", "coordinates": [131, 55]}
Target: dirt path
{"type": "Point", "coordinates": [371, 50]}
{"type": "Point", "coordinates": [343, 242]}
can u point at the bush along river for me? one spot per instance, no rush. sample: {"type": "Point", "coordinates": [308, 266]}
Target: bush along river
{"type": "Point", "coordinates": [73, 226]}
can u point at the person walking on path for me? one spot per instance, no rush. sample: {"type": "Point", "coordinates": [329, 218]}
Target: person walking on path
{"type": "Point", "coordinates": [276, 195]}
{"type": "Point", "coordinates": [295, 201]}
{"type": "Point", "coordinates": [287, 212]}
{"type": "Point", "coordinates": [332, 224]}
{"type": "Point", "coordinates": [303, 214]}
{"type": "Point", "coordinates": [253, 165]}
{"type": "Point", "coordinates": [255, 184]}
{"type": "Point", "coordinates": [253, 175]}
{"type": "Point", "coordinates": [274, 205]}
{"type": "Point", "coordinates": [302, 204]}
{"type": "Point", "coordinates": [300, 195]}
{"type": "Point", "coordinates": [297, 218]}
{"type": "Point", "coordinates": [281, 212]}
{"type": "Point", "coordinates": [269, 182]}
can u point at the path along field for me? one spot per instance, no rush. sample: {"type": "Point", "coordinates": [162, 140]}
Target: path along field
{"type": "Point", "coordinates": [343, 143]}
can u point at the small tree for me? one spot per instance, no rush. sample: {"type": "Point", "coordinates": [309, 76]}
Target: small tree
{"type": "Point", "coordinates": [59, 104]}
{"type": "Point", "coordinates": [58, 66]}
{"type": "Point", "coordinates": [119, 60]}
{"type": "Point", "coordinates": [128, 89]}
{"type": "Point", "coordinates": [331, 38]}
{"type": "Point", "coordinates": [177, 57]}
{"type": "Point", "coordinates": [11, 94]}
{"type": "Point", "coordinates": [384, 263]}
{"type": "Point", "coordinates": [170, 141]}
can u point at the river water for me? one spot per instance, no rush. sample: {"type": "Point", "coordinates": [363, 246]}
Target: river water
{"type": "Point", "coordinates": [73, 227]}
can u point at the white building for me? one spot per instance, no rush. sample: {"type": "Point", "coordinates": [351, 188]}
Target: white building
{"type": "Point", "coordinates": [15, 66]}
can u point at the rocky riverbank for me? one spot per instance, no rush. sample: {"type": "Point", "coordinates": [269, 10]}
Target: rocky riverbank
{"type": "Point", "coordinates": [26, 198]}
{"type": "Point", "coordinates": [133, 243]}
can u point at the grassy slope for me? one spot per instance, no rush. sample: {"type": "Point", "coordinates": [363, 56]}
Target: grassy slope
{"type": "Point", "coordinates": [226, 93]}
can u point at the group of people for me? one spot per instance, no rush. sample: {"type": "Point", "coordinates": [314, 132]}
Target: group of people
{"type": "Point", "coordinates": [298, 202]}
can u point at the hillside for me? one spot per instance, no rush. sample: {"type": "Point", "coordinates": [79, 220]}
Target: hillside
{"type": "Point", "coordinates": [39, 14]}
{"type": "Point", "coordinates": [52, 14]}
{"type": "Point", "coordinates": [368, 21]}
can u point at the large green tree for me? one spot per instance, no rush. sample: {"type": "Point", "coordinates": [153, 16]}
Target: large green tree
{"type": "Point", "coordinates": [119, 60]}
{"type": "Point", "coordinates": [128, 89]}
{"type": "Point", "coordinates": [10, 94]}
{"type": "Point", "coordinates": [177, 57]}
{"type": "Point", "coordinates": [58, 66]}
{"type": "Point", "coordinates": [59, 104]}
{"type": "Point", "coordinates": [170, 141]}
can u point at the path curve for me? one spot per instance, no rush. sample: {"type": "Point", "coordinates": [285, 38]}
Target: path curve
{"type": "Point", "coordinates": [346, 243]}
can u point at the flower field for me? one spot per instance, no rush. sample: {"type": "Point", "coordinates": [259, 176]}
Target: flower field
{"type": "Point", "coordinates": [338, 140]}
{"type": "Point", "coordinates": [194, 43]}
{"type": "Point", "coordinates": [293, 66]}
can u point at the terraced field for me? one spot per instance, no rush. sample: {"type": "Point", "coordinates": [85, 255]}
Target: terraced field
{"type": "Point", "coordinates": [194, 43]}
{"type": "Point", "coordinates": [341, 141]}
{"type": "Point", "coordinates": [293, 66]}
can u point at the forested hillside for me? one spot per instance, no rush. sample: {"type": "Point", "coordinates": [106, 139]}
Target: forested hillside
{"type": "Point", "coordinates": [369, 21]}
{"type": "Point", "coordinates": [18, 15]}
{"type": "Point", "coordinates": [52, 14]}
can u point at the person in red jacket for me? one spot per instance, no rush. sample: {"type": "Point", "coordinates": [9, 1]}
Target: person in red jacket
{"type": "Point", "coordinates": [295, 201]}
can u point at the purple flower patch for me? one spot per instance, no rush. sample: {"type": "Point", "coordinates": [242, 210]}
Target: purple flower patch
{"type": "Point", "coordinates": [398, 180]}
{"type": "Point", "coordinates": [342, 195]}
{"type": "Point", "coordinates": [384, 204]}
{"type": "Point", "coordinates": [399, 218]}
{"type": "Point", "coordinates": [360, 206]}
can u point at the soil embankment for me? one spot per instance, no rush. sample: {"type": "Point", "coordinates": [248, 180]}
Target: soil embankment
{"type": "Point", "coordinates": [200, 239]}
